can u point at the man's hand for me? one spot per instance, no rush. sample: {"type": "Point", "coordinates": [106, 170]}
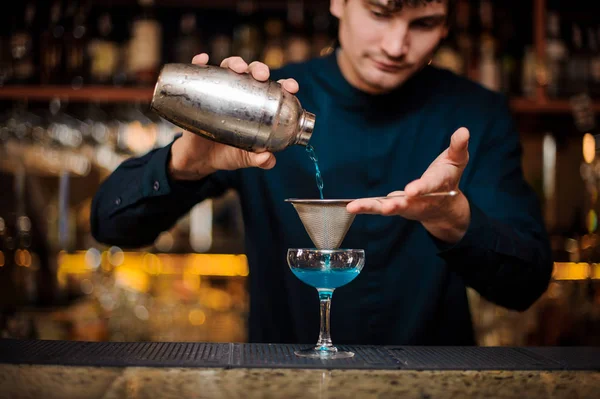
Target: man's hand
{"type": "Point", "coordinates": [194, 157]}
{"type": "Point", "coordinates": [445, 217]}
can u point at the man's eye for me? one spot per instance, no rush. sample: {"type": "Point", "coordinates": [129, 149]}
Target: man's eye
{"type": "Point", "coordinates": [379, 14]}
{"type": "Point", "coordinates": [424, 24]}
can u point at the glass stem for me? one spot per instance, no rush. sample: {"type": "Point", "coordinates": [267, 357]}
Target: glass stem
{"type": "Point", "coordinates": [324, 335]}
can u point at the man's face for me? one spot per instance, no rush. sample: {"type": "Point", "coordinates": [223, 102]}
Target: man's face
{"type": "Point", "coordinates": [382, 46]}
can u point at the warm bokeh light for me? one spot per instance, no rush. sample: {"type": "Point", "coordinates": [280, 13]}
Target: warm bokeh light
{"type": "Point", "coordinates": [23, 257]}
{"type": "Point", "coordinates": [197, 317]}
{"type": "Point", "coordinates": [592, 221]}
{"type": "Point", "coordinates": [589, 148]}
{"type": "Point", "coordinates": [133, 269]}
{"type": "Point", "coordinates": [575, 271]}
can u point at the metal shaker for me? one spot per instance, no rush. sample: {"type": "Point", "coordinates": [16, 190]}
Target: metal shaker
{"type": "Point", "coordinates": [231, 108]}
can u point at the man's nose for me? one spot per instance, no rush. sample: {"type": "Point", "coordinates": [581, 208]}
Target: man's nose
{"type": "Point", "coordinates": [396, 40]}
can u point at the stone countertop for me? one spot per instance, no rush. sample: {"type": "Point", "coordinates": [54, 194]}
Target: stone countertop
{"type": "Point", "coordinates": [41, 381]}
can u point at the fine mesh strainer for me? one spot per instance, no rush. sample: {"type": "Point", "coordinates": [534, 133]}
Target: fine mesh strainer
{"type": "Point", "coordinates": [327, 221]}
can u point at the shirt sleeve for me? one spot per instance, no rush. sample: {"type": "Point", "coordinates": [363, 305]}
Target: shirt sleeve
{"type": "Point", "coordinates": [505, 254]}
{"type": "Point", "coordinates": [139, 200]}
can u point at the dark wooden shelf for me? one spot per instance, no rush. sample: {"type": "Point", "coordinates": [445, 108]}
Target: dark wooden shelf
{"type": "Point", "coordinates": [89, 93]}
{"type": "Point", "coordinates": [223, 4]}
{"type": "Point", "coordinates": [550, 106]}
{"type": "Point", "coordinates": [144, 94]}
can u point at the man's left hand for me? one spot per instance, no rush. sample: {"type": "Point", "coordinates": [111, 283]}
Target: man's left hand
{"type": "Point", "coordinates": [445, 217]}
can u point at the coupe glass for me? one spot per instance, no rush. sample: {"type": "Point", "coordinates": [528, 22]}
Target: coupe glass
{"type": "Point", "coordinates": [326, 270]}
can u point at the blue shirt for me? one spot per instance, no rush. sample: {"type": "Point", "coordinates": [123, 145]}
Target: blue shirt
{"type": "Point", "coordinates": [412, 288]}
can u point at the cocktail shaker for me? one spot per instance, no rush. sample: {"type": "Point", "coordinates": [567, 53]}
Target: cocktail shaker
{"type": "Point", "coordinates": [231, 108]}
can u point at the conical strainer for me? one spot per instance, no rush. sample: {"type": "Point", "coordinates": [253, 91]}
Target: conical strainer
{"type": "Point", "coordinates": [325, 221]}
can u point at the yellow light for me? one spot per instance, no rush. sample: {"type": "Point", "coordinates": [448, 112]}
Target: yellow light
{"type": "Point", "coordinates": [589, 148]}
{"type": "Point", "coordinates": [196, 317]}
{"type": "Point", "coordinates": [595, 271]}
{"type": "Point", "coordinates": [152, 264]}
{"type": "Point", "coordinates": [217, 265]}
{"type": "Point", "coordinates": [71, 263]}
{"type": "Point", "coordinates": [148, 264]}
{"type": "Point", "coordinates": [131, 278]}
{"type": "Point", "coordinates": [570, 271]}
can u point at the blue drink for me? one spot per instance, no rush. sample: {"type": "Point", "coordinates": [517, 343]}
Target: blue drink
{"type": "Point", "coordinates": [326, 279]}
{"type": "Point", "coordinates": [313, 157]}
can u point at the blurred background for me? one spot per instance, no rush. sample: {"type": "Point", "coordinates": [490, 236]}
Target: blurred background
{"type": "Point", "coordinates": [76, 78]}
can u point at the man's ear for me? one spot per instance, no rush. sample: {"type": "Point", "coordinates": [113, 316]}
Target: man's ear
{"type": "Point", "coordinates": [336, 7]}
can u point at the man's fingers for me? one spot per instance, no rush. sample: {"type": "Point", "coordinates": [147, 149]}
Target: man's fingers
{"type": "Point", "coordinates": [236, 64]}
{"type": "Point", "coordinates": [367, 206]}
{"type": "Point", "coordinates": [263, 160]}
{"type": "Point", "coordinates": [390, 206]}
{"type": "Point", "coordinates": [420, 186]}
{"type": "Point", "coordinates": [458, 151]}
{"type": "Point", "coordinates": [290, 85]}
{"type": "Point", "coordinates": [200, 59]}
{"type": "Point", "coordinates": [259, 71]}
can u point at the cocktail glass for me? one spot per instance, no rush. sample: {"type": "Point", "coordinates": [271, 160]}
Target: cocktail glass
{"type": "Point", "coordinates": [326, 270]}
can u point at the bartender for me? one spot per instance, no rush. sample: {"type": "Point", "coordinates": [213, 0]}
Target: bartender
{"type": "Point", "coordinates": [386, 121]}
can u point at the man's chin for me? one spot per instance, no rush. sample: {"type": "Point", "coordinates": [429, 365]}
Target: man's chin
{"type": "Point", "coordinates": [385, 85]}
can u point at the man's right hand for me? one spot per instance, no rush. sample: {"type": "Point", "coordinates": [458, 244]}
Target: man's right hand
{"type": "Point", "coordinates": [193, 157]}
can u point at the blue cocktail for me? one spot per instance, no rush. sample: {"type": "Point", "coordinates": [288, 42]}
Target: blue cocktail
{"type": "Point", "coordinates": [326, 270]}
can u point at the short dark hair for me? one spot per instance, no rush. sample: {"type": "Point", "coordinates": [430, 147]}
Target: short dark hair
{"type": "Point", "coordinates": [396, 5]}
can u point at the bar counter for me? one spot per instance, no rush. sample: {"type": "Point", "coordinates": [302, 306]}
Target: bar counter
{"type": "Point", "coordinates": [64, 369]}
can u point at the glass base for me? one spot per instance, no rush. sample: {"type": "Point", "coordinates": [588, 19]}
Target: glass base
{"type": "Point", "coordinates": [324, 353]}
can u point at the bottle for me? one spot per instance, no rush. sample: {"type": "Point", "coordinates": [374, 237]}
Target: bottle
{"type": "Point", "coordinates": [144, 52]}
{"type": "Point", "coordinates": [76, 55]}
{"type": "Point", "coordinates": [528, 73]}
{"type": "Point", "coordinates": [273, 52]}
{"type": "Point", "coordinates": [221, 40]}
{"type": "Point", "coordinates": [298, 48]}
{"type": "Point", "coordinates": [448, 55]}
{"type": "Point", "coordinates": [21, 47]}
{"type": "Point", "coordinates": [52, 47]}
{"type": "Point", "coordinates": [556, 54]}
{"type": "Point", "coordinates": [230, 108]}
{"type": "Point", "coordinates": [594, 67]}
{"type": "Point", "coordinates": [246, 36]}
{"type": "Point", "coordinates": [577, 66]}
{"type": "Point", "coordinates": [103, 51]}
{"type": "Point", "coordinates": [188, 43]}
{"type": "Point", "coordinates": [509, 50]}
{"type": "Point", "coordinates": [220, 48]}
{"type": "Point", "coordinates": [464, 36]}
{"type": "Point", "coordinates": [489, 69]}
